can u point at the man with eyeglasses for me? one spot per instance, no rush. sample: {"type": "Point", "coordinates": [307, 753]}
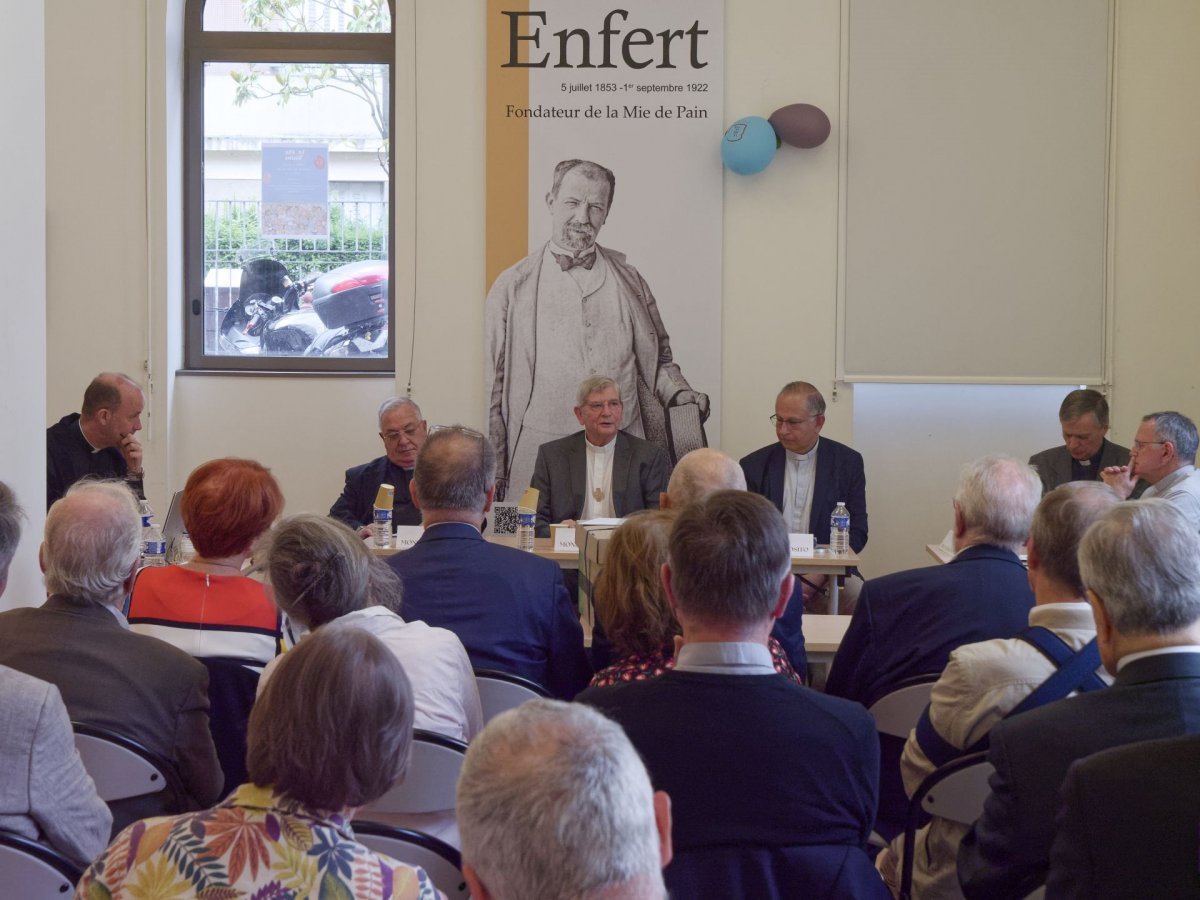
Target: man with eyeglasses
{"type": "Point", "coordinates": [600, 472]}
{"type": "Point", "coordinates": [403, 431]}
{"type": "Point", "coordinates": [805, 475]}
{"type": "Point", "coordinates": [1164, 456]}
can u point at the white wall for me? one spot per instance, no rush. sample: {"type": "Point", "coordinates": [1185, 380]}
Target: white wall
{"type": "Point", "coordinates": [23, 262]}
{"type": "Point", "coordinates": [780, 267]}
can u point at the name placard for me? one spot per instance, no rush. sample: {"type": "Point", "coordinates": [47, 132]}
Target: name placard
{"type": "Point", "coordinates": [407, 535]}
{"type": "Point", "coordinates": [564, 539]}
{"type": "Point", "coordinates": [802, 544]}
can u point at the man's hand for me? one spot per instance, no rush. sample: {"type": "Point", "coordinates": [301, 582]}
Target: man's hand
{"type": "Point", "coordinates": [365, 532]}
{"type": "Point", "coordinates": [131, 449]}
{"type": "Point", "coordinates": [696, 397]}
{"type": "Point", "coordinates": [1120, 478]}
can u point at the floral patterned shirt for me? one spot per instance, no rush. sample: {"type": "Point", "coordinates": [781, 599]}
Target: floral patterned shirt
{"type": "Point", "coordinates": [256, 844]}
{"type": "Point", "coordinates": [639, 667]}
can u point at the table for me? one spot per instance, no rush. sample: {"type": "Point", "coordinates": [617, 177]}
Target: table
{"type": "Point", "coordinates": [823, 635]}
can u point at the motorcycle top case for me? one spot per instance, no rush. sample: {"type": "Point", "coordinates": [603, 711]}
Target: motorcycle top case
{"type": "Point", "coordinates": [352, 293]}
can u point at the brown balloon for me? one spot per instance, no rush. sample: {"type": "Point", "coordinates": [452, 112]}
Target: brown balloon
{"type": "Point", "coordinates": [801, 125]}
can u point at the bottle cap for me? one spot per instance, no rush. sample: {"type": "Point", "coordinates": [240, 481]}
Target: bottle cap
{"type": "Point", "coordinates": [383, 498]}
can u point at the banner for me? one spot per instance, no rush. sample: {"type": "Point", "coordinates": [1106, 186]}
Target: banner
{"type": "Point", "coordinates": [295, 191]}
{"type": "Point", "coordinates": [604, 212]}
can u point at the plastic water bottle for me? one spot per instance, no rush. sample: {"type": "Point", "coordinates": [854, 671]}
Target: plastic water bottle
{"type": "Point", "coordinates": [839, 529]}
{"type": "Point", "coordinates": [185, 550]}
{"type": "Point", "coordinates": [154, 548]}
{"type": "Point", "coordinates": [381, 525]}
{"type": "Point", "coordinates": [525, 529]}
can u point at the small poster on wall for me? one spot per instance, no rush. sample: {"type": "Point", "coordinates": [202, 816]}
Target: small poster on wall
{"type": "Point", "coordinates": [604, 215]}
{"type": "Point", "coordinates": [295, 191]}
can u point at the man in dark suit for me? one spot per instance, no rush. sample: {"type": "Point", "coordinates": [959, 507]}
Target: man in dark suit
{"type": "Point", "coordinates": [806, 475]}
{"type": "Point", "coordinates": [747, 756]}
{"type": "Point", "coordinates": [403, 431]}
{"type": "Point", "coordinates": [1151, 846]}
{"type": "Point", "coordinates": [1086, 450]}
{"type": "Point", "coordinates": [1141, 565]}
{"type": "Point", "coordinates": [907, 623]}
{"type": "Point", "coordinates": [510, 609]}
{"type": "Point", "coordinates": [109, 677]}
{"type": "Point", "coordinates": [600, 472]}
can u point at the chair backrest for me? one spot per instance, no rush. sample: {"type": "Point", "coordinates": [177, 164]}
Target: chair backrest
{"type": "Point", "coordinates": [499, 691]}
{"type": "Point", "coordinates": [232, 685]}
{"type": "Point", "coordinates": [896, 712]}
{"type": "Point", "coordinates": [431, 780]}
{"type": "Point", "coordinates": [955, 791]}
{"type": "Point", "coordinates": [440, 861]}
{"type": "Point", "coordinates": [120, 767]}
{"type": "Point", "coordinates": [34, 871]}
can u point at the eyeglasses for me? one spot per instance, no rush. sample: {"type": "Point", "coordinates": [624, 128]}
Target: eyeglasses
{"type": "Point", "coordinates": [779, 422]}
{"type": "Point", "coordinates": [601, 405]}
{"type": "Point", "coordinates": [408, 433]}
{"type": "Point", "coordinates": [1138, 445]}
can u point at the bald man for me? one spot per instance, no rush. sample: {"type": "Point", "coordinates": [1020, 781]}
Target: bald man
{"type": "Point", "coordinates": [100, 440]}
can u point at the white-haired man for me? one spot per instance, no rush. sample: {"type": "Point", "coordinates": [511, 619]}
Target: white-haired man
{"type": "Point", "coordinates": [601, 471]}
{"type": "Point", "coordinates": [45, 793]}
{"type": "Point", "coordinates": [1141, 565]}
{"type": "Point", "coordinates": [1164, 455]}
{"type": "Point", "coordinates": [402, 431]}
{"type": "Point", "coordinates": [907, 623]}
{"type": "Point", "coordinates": [553, 801]}
{"type": "Point", "coordinates": [99, 441]}
{"type": "Point", "coordinates": [982, 683]}
{"type": "Point", "coordinates": [110, 677]}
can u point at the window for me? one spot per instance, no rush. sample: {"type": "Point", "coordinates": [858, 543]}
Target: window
{"type": "Point", "coordinates": [288, 193]}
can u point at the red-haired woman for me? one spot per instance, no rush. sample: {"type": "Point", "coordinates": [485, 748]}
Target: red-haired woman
{"type": "Point", "coordinates": [206, 607]}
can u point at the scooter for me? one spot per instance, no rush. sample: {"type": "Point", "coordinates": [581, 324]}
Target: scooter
{"type": "Point", "coordinates": [340, 313]}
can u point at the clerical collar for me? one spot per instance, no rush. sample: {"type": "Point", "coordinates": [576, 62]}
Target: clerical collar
{"type": "Point", "coordinates": [596, 448]}
{"type": "Point", "coordinates": [803, 457]}
{"type": "Point", "coordinates": [83, 434]}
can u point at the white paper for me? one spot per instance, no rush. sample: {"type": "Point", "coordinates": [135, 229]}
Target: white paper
{"type": "Point", "coordinates": [564, 539]}
{"type": "Point", "coordinates": [802, 544]}
{"type": "Point", "coordinates": [407, 535]}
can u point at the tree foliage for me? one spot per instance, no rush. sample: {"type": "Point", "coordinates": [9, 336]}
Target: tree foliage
{"type": "Point", "coordinates": [368, 83]}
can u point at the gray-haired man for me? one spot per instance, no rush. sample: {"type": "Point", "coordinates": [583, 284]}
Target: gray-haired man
{"type": "Point", "coordinates": [554, 802]}
{"type": "Point", "coordinates": [1164, 455]}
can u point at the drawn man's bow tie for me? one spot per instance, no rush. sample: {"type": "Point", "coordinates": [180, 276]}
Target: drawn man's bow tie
{"type": "Point", "coordinates": [566, 262]}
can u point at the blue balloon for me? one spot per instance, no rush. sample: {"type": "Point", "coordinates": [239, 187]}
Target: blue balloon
{"type": "Point", "coordinates": [749, 145]}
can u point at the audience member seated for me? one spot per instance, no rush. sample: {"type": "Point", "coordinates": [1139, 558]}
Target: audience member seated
{"type": "Point", "coordinates": [332, 731]}
{"type": "Point", "coordinates": [907, 623]}
{"type": "Point", "coordinates": [206, 607]}
{"type": "Point", "coordinates": [99, 441]}
{"type": "Point", "coordinates": [1085, 451]}
{"type": "Point", "coordinates": [321, 572]}
{"type": "Point", "coordinates": [402, 431]}
{"type": "Point", "coordinates": [45, 794]}
{"type": "Point", "coordinates": [986, 682]}
{"type": "Point", "coordinates": [1149, 846]}
{"type": "Point", "coordinates": [703, 472]}
{"type": "Point", "coordinates": [1164, 456]}
{"type": "Point", "coordinates": [632, 606]}
{"type": "Point", "coordinates": [1141, 565]}
{"type": "Point", "coordinates": [554, 802]}
{"type": "Point", "coordinates": [109, 677]}
{"type": "Point", "coordinates": [509, 608]}
{"type": "Point", "coordinates": [600, 472]}
{"type": "Point", "coordinates": [805, 476]}
{"type": "Point", "coordinates": [748, 757]}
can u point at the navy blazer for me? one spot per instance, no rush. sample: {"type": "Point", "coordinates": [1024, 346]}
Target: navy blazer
{"type": "Point", "coordinates": [907, 623]}
{"type": "Point", "coordinates": [639, 474]}
{"type": "Point", "coordinates": [839, 476]}
{"type": "Point", "coordinates": [1007, 852]}
{"type": "Point", "coordinates": [356, 505]}
{"type": "Point", "coordinates": [510, 609]}
{"type": "Point", "coordinates": [1096, 855]}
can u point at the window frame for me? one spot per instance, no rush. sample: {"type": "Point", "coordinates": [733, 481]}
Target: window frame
{"type": "Point", "coordinates": [201, 47]}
